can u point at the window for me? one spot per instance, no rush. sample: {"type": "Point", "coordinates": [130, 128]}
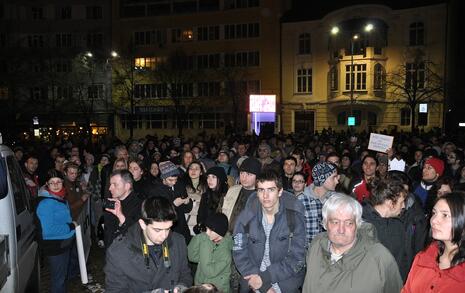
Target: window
{"type": "Point", "coordinates": [182, 90]}
{"type": "Point", "coordinates": [20, 193]}
{"type": "Point", "coordinates": [208, 61]}
{"type": "Point", "coordinates": [341, 118]}
{"type": "Point", "coordinates": [63, 92]}
{"type": "Point", "coordinates": [359, 77]}
{"type": "Point", "coordinates": [304, 80]}
{"type": "Point", "coordinates": [378, 82]}
{"type": "Point", "coordinates": [94, 12]}
{"type": "Point", "coordinates": [208, 89]}
{"type": "Point", "coordinates": [184, 6]}
{"type": "Point", "coordinates": [211, 120]}
{"type": "Point", "coordinates": [156, 90]}
{"type": "Point", "coordinates": [208, 33]}
{"type": "Point", "coordinates": [147, 62]}
{"type": "Point", "coordinates": [304, 121]}
{"type": "Point", "coordinates": [157, 120]}
{"type": "Point", "coordinates": [209, 5]}
{"type": "Point", "coordinates": [304, 44]}
{"type": "Point", "coordinates": [64, 40]}
{"type": "Point", "coordinates": [145, 38]}
{"type": "Point", "coordinates": [63, 65]}
{"type": "Point", "coordinates": [241, 31]}
{"type": "Point", "coordinates": [64, 12]}
{"type": "Point", "coordinates": [415, 75]}
{"type": "Point", "coordinates": [242, 59]}
{"type": "Point", "coordinates": [37, 12]}
{"type": "Point", "coordinates": [38, 93]}
{"type": "Point", "coordinates": [94, 40]}
{"type": "Point", "coordinates": [422, 119]}
{"type": "Point", "coordinates": [333, 80]}
{"type": "Point", "coordinates": [417, 34]}
{"type": "Point", "coordinates": [233, 4]}
{"type": "Point", "coordinates": [182, 35]}
{"type": "Point", "coordinates": [95, 91]}
{"type": "Point", "coordinates": [405, 116]}
{"type": "Point", "coordinates": [358, 117]}
{"type": "Point", "coordinates": [372, 118]}
{"type": "Point", "coordinates": [35, 41]}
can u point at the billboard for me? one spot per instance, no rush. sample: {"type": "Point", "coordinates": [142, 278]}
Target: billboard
{"type": "Point", "coordinates": [262, 103]}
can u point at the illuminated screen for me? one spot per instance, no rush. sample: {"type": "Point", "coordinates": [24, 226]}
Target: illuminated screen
{"type": "Point", "coordinates": [351, 121]}
{"type": "Point", "coordinates": [262, 103]}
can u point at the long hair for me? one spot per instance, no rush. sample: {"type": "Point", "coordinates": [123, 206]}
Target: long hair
{"type": "Point", "coordinates": [202, 180]}
{"type": "Point", "coordinates": [456, 203]}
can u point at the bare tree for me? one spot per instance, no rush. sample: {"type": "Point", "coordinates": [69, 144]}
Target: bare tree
{"type": "Point", "coordinates": [417, 81]}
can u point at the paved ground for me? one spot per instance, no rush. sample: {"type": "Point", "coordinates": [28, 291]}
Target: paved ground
{"type": "Point", "coordinates": [95, 265]}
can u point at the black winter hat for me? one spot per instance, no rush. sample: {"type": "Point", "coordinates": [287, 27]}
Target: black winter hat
{"type": "Point", "coordinates": [218, 223]}
{"type": "Point", "coordinates": [218, 172]}
{"type": "Point", "coordinates": [251, 165]}
{"type": "Point", "coordinates": [53, 173]}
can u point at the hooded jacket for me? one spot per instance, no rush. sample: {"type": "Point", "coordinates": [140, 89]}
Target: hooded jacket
{"type": "Point", "coordinates": [286, 254]}
{"type": "Point", "coordinates": [425, 275]}
{"type": "Point", "coordinates": [367, 267]}
{"type": "Point", "coordinates": [126, 269]}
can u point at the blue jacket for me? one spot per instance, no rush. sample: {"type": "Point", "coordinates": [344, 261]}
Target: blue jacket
{"type": "Point", "coordinates": [287, 255]}
{"type": "Point", "coordinates": [55, 217]}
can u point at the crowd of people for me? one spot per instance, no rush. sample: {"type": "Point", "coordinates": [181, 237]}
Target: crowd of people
{"type": "Point", "coordinates": [298, 213]}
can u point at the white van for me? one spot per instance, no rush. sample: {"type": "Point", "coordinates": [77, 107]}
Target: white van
{"type": "Point", "coordinates": [19, 253]}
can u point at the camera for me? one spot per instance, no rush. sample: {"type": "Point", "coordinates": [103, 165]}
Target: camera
{"type": "Point", "coordinates": [108, 204]}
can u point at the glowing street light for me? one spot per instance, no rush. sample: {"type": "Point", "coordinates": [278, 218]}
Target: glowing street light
{"type": "Point", "coordinates": [334, 30]}
{"type": "Point", "coordinates": [369, 27]}
{"type": "Point", "coordinates": [89, 54]}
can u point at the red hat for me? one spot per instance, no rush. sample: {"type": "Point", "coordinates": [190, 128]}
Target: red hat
{"type": "Point", "coordinates": [437, 164]}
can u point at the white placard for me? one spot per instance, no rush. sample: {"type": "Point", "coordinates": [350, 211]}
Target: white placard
{"type": "Point", "coordinates": [81, 255]}
{"type": "Point", "coordinates": [380, 142]}
{"type": "Point", "coordinates": [423, 108]}
{"type": "Point", "coordinates": [396, 164]}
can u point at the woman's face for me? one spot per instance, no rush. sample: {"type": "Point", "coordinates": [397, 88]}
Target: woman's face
{"type": "Point", "coordinates": [445, 189]}
{"type": "Point", "coordinates": [194, 171]}
{"type": "Point", "coordinates": [104, 161]}
{"type": "Point", "coordinates": [345, 162]}
{"type": "Point", "coordinates": [135, 170]}
{"type": "Point", "coordinates": [441, 221]}
{"type": "Point", "coordinates": [120, 165]}
{"type": "Point", "coordinates": [55, 184]}
{"type": "Point", "coordinates": [212, 181]}
{"type": "Point", "coordinates": [187, 158]}
{"type": "Point", "coordinates": [154, 170]}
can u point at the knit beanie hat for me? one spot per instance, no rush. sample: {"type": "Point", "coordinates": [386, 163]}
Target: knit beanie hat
{"type": "Point", "coordinates": [321, 172]}
{"type": "Point", "coordinates": [218, 223]}
{"type": "Point", "coordinates": [251, 165]}
{"type": "Point", "coordinates": [437, 164]}
{"type": "Point", "coordinates": [218, 172]}
{"type": "Point", "coordinates": [168, 169]}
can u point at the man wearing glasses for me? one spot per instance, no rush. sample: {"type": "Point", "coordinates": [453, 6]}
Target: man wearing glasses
{"type": "Point", "coordinates": [325, 180]}
{"type": "Point", "coordinates": [269, 239]}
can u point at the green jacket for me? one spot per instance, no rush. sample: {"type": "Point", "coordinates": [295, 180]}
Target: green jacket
{"type": "Point", "coordinates": [367, 267]}
{"type": "Point", "coordinates": [214, 260]}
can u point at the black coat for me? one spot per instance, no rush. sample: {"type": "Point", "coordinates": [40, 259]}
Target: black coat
{"type": "Point", "coordinates": [131, 206]}
{"type": "Point", "coordinates": [126, 268]}
{"type": "Point", "coordinates": [171, 194]}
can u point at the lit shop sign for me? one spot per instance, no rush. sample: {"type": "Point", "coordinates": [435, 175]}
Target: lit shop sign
{"type": "Point", "coordinates": [262, 103]}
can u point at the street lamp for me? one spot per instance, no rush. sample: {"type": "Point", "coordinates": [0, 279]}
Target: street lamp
{"type": "Point", "coordinates": [335, 31]}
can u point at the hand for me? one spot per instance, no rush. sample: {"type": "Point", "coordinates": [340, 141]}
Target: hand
{"type": "Point", "coordinates": [84, 197]}
{"type": "Point", "coordinates": [255, 282]}
{"type": "Point", "coordinates": [179, 201]}
{"type": "Point", "coordinates": [390, 153]}
{"type": "Point", "coordinates": [117, 211]}
{"type": "Point", "coordinates": [271, 290]}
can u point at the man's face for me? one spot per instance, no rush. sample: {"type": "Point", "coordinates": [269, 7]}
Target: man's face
{"type": "Point", "coordinates": [334, 160]}
{"type": "Point", "coordinates": [241, 150]}
{"type": "Point", "coordinates": [223, 158]}
{"type": "Point", "coordinates": [75, 151]}
{"type": "Point", "coordinates": [156, 232]}
{"type": "Point", "coordinates": [298, 183]}
{"type": "Point", "coordinates": [444, 189]}
{"type": "Point", "coordinates": [418, 156]}
{"type": "Point", "coordinates": [429, 174]}
{"type": "Point", "coordinates": [268, 195]}
{"type": "Point", "coordinates": [170, 181]}
{"type": "Point", "coordinates": [59, 163]}
{"type": "Point", "coordinates": [345, 162]}
{"type": "Point", "coordinates": [247, 180]}
{"type": "Point", "coordinates": [31, 165]}
{"type": "Point", "coordinates": [342, 229]}
{"type": "Point", "coordinates": [187, 158]}
{"type": "Point", "coordinates": [331, 182]}
{"type": "Point", "coordinates": [398, 206]}
{"type": "Point", "coordinates": [72, 174]}
{"type": "Point", "coordinates": [369, 167]}
{"type": "Point", "coordinates": [289, 167]}
{"type": "Point", "coordinates": [122, 154]}
{"type": "Point", "coordinates": [451, 158]}
{"type": "Point", "coordinates": [118, 188]}
{"type": "Point", "coordinates": [263, 152]}
{"type": "Point", "coordinates": [76, 160]}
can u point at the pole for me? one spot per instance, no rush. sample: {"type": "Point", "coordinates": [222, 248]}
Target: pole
{"type": "Point", "coordinates": [351, 76]}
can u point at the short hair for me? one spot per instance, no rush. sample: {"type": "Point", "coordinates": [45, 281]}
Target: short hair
{"type": "Point", "coordinates": [70, 165]}
{"type": "Point", "coordinates": [370, 156]}
{"type": "Point", "coordinates": [290, 158]}
{"type": "Point", "coordinates": [269, 175]}
{"type": "Point", "coordinates": [203, 288]}
{"type": "Point", "coordinates": [456, 203]}
{"type": "Point", "coordinates": [120, 148]}
{"type": "Point", "coordinates": [338, 201]}
{"type": "Point", "coordinates": [332, 154]}
{"type": "Point", "coordinates": [157, 209]}
{"type": "Point", "coordinates": [385, 190]}
{"type": "Point", "coordinates": [299, 174]}
{"type": "Point", "coordinates": [31, 156]}
{"type": "Point", "coordinates": [138, 162]}
{"type": "Point", "coordinates": [125, 175]}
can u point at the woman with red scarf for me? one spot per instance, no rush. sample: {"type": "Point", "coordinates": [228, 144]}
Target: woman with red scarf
{"type": "Point", "coordinates": [56, 229]}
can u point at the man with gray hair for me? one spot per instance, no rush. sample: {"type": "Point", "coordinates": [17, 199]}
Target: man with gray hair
{"type": "Point", "coordinates": [348, 257]}
{"type": "Point", "coordinates": [264, 156]}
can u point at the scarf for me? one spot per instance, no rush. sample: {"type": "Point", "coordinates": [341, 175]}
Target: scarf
{"type": "Point", "coordinates": [60, 194]}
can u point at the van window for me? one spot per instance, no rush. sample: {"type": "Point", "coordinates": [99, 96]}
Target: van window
{"type": "Point", "coordinates": [17, 184]}
{"type": "Point", "coordinates": [3, 181]}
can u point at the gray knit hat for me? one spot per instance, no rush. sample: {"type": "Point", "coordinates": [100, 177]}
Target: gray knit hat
{"type": "Point", "coordinates": [168, 169]}
{"type": "Point", "coordinates": [321, 172]}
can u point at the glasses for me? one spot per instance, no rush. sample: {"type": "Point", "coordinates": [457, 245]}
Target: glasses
{"type": "Point", "coordinates": [60, 161]}
{"type": "Point", "coordinates": [55, 182]}
{"type": "Point", "coordinates": [298, 181]}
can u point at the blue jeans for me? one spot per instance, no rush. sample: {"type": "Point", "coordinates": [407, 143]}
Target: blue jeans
{"type": "Point", "coordinates": [59, 271]}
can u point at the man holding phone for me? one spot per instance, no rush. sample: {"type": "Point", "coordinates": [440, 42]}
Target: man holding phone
{"type": "Point", "coordinates": [123, 208]}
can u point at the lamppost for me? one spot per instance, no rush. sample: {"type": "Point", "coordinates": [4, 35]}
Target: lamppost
{"type": "Point", "coordinates": [353, 38]}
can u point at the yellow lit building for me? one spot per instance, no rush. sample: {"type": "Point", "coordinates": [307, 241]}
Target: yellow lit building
{"type": "Point", "coordinates": [319, 56]}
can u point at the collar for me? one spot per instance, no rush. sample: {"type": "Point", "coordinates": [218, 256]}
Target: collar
{"type": "Point", "coordinates": [427, 259]}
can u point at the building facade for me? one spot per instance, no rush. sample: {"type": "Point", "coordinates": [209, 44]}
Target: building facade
{"type": "Point", "coordinates": [53, 68]}
{"type": "Point", "coordinates": [368, 62]}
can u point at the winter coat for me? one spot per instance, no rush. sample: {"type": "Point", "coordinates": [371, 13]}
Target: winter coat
{"type": "Point", "coordinates": [214, 260]}
{"type": "Point", "coordinates": [425, 275]}
{"type": "Point", "coordinates": [367, 267]}
{"type": "Point", "coordinates": [391, 234]}
{"type": "Point", "coordinates": [180, 225]}
{"type": "Point", "coordinates": [233, 203]}
{"type": "Point", "coordinates": [56, 228]}
{"type": "Point", "coordinates": [287, 252]}
{"type": "Point", "coordinates": [74, 195]}
{"type": "Point", "coordinates": [130, 206]}
{"type": "Point", "coordinates": [127, 271]}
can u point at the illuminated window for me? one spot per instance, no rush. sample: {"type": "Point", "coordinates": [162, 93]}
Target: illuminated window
{"type": "Point", "coordinates": [304, 80]}
{"type": "Point", "coordinates": [182, 35]}
{"type": "Point", "coordinates": [359, 77]}
{"type": "Point", "coordinates": [147, 62]}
